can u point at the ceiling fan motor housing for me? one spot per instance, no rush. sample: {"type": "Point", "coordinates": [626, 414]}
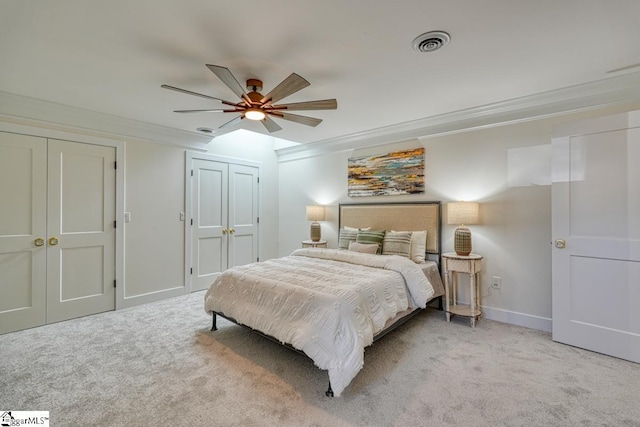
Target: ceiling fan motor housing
{"type": "Point", "coordinates": [254, 85]}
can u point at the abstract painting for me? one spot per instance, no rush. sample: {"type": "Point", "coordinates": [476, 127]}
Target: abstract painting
{"type": "Point", "coordinates": [400, 172]}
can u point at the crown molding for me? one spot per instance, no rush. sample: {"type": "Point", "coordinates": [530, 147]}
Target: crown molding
{"type": "Point", "coordinates": [598, 94]}
{"type": "Point", "coordinates": [40, 113]}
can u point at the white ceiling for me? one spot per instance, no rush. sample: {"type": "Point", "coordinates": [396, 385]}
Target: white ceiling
{"type": "Point", "coordinates": [112, 56]}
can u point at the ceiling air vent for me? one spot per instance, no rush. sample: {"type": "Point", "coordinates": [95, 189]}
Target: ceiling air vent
{"type": "Point", "coordinates": [431, 41]}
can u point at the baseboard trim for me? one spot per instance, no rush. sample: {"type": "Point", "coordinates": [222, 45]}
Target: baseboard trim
{"type": "Point", "coordinates": [519, 319]}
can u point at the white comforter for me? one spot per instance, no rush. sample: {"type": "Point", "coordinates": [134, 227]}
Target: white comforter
{"type": "Point", "coordinates": [327, 303]}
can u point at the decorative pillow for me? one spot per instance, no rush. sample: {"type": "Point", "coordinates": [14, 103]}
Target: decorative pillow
{"type": "Point", "coordinates": [418, 246]}
{"type": "Point", "coordinates": [365, 248]}
{"type": "Point", "coordinates": [356, 229]}
{"type": "Point", "coordinates": [345, 237]}
{"type": "Point", "coordinates": [397, 243]}
{"type": "Point", "coordinates": [371, 236]}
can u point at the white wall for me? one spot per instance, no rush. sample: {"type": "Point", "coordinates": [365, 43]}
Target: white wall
{"type": "Point", "coordinates": [154, 239]}
{"type": "Point", "coordinates": [515, 231]}
{"type": "Point", "coordinates": [155, 196]}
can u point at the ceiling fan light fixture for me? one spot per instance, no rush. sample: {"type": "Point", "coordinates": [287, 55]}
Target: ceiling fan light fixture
{"type": "Point", "coordinates": [254, 114]}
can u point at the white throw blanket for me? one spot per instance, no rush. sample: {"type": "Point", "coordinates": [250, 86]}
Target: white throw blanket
{"type": "Point", "coordinates": [328, 303]}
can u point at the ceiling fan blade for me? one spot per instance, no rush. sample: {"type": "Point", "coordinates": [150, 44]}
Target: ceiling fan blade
{"type": "Point", "coordinates": [270, 124]}
{"type": "Point", "coordinates": [287, 87]}
{"type": "Point", "coordinates": [323, 104]}
{"type": "Point", "coordinates": [232, 122]}
{"type": "Point", "coordinates": [188, 92]}
{"type": "Point", "coordinates": [303, 120]}
{"type": "Point", "coordinates": [202, 111]}
{"type": "Point", "coordinates": [227, 78]}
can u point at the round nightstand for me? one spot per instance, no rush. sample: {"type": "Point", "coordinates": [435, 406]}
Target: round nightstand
{"type": "Point", "coordinates": [312, 244]}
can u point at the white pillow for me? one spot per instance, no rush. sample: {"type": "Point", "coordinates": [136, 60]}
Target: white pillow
{"type": "Point", "coordinates": [418, 246]}
{"type": "Point", "coordinates": [355, 228]}
{"type": "Point", "coordinates": [365, 248]}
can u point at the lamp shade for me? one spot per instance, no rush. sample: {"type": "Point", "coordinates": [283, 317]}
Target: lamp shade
{"type": "Point", "coordinates": [315, 213]}
{"type": "Point", "coordinates": [463, 213]}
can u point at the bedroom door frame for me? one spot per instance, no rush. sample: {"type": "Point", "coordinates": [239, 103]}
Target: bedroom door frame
{"type": "Point", "coordinates": [190, 158]}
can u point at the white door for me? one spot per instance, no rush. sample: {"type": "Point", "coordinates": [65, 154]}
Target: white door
{"type": "Point", "coordinates": [23, 221]}
{"type": "Point", "coordinates": [243, 215]}
{"type": "Point", "coordinates": [223, 206]}
{"type": "Point", "coordinates": [210, 217]}
{"type": "Point", "coordinates": [596, 216]}
{"type": "Point", "coordinates": [81, 230]}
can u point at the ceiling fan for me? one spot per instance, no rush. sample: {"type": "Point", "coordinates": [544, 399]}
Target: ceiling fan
{"type": "Point", "coordinates": [255, 106]}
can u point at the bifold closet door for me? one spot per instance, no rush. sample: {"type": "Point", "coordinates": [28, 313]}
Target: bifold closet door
{"type": "Point", "coordinates": [224, 211]}
{"type": "Point", "coordinates": [57, 230]}
{"type": "Point", "coordinates": [23, 219]}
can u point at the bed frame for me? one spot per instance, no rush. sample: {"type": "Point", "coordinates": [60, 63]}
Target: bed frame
{"type": "Point", "coordinates": [410, 216]}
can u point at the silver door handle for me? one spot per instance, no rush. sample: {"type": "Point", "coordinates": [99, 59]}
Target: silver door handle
{"type": "Point", "coordinates": [561, 244]}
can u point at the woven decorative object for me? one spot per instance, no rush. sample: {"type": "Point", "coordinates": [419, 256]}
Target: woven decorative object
{"type": "Point", "coordinates": [315, 231]}
{"type": "Point", "coordinates": [462, 241]}
{"type": "Point", "coordinates": [463, 213]}
{"type": "Point", "coordinates": [315, 213]}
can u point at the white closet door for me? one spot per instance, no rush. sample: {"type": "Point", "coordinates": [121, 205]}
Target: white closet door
{"type": "Point", "coordinates": [81, 230]}
{"type": "Point", "coordinates": [209, 230]}
{"type": "Point", "coordinates": [243, 214]}
{"type": "Point", "coordinates": [596, 216]}
{"type": "Point", "coordinates": [23, 213]}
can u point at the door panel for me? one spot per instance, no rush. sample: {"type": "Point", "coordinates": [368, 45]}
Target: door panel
{"type": "Point", "coordinates": [81, 265]}
{"type": "Point", "coordinates": [23, 174]}
{"type": "Point", "coordinates": [596, 210]}
{"type": "Point", "coordinates": [243, 214]}
{"type": "Point", "coordinates": [209, 230]}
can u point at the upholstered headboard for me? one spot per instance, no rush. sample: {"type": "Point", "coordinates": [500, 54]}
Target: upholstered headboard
{"type": "Point", "coordinates": [397, 216]}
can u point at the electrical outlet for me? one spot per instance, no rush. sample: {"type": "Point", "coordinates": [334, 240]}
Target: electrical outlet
{"type": "Point", "coordinates": [496, 282]}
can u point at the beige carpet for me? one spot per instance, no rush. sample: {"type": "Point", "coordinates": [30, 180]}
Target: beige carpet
{"type": "Point", "coordinates": [158, 364]}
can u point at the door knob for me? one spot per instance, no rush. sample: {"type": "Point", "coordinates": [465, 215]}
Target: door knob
{"type": "Point", "coordinates": [53, 241]}
{"type": "Point", "coordinates": [224, 231]}
{"type": "Point", "coordinates": [231, 230]}
{"type": "Point", "coordinates": [561, 244]}
{"type": "Point", "coordinates": [39, 241]}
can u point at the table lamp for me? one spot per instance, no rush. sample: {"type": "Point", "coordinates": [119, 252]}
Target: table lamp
{"type": "Point", "coordinates": [462, 213]}
{"type": "Point", "coordinates": [315, 213]}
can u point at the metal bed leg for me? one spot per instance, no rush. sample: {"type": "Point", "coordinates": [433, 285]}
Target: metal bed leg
{"type": "Point", "coordinates": [214, 327]}
{"type": "Point", "coordinates": [329, 392]}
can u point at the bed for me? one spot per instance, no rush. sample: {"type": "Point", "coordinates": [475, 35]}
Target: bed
{"type": "Point", "coordinates": [330, 304]}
